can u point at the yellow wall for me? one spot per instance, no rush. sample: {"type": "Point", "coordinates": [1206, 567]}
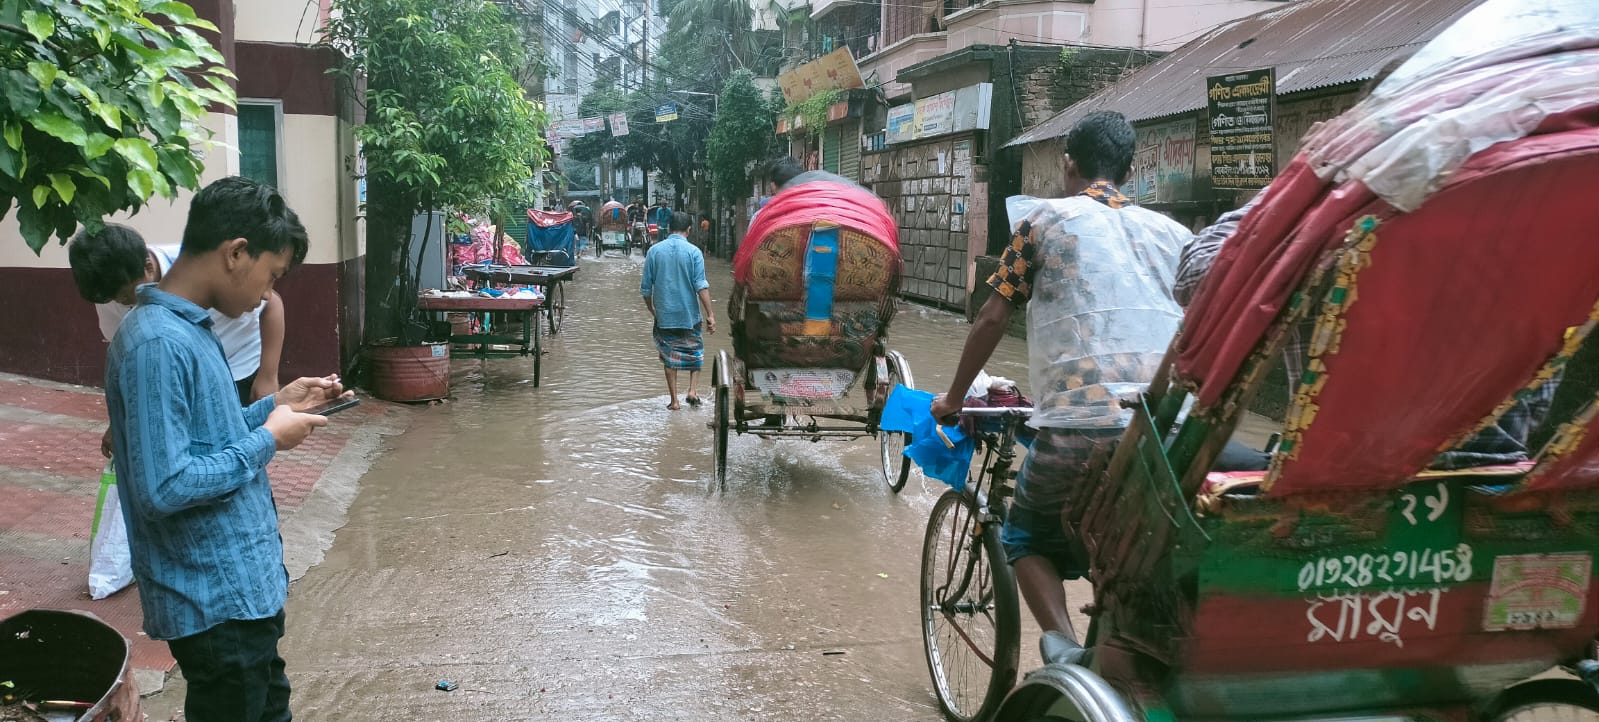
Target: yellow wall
{"type": "Point", "coordinates": [276, 21]}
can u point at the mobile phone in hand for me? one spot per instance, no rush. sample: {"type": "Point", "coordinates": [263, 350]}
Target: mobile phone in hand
{"type": "Point", "coordinates": [335, 406]}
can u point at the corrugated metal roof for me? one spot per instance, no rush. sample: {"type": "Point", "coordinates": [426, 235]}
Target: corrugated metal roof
{"type": "Point", "coordinates": [1312, 43]}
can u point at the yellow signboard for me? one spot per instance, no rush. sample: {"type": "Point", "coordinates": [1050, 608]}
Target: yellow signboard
{"type": "Point", "coordinates": [835, 70]}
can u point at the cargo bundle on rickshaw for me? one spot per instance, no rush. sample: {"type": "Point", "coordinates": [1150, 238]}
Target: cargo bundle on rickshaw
{"type": "Point", "coordinates": [815, 285]}
{"type": "Point", "coordinates": [1436, 248]}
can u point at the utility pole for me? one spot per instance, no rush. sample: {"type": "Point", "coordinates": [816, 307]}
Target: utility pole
{"type": "Point", "coordinates": [644, 65]}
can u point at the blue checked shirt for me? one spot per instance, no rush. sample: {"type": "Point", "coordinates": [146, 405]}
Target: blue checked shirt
{"type": "Point", "coordinates": [191, 472]}
{"type": "Point", "coordinates": [674, 273]}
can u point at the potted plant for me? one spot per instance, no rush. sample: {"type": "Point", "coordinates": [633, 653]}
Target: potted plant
{"type": "Point", "coordinates": [448, 126]}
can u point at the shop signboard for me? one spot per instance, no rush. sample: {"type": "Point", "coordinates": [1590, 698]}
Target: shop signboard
{"type": "Point", "coordinates": [1243, 154]}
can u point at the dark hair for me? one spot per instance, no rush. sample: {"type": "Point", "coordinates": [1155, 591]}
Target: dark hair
{"type": "Point", "coordinates": [1101, 144]}
{"type": "Point", "coordinates": [105, 261]}
{"type": "Point", "coordinates": [780, 171]}
{"type": "Point", "coordinates": [236, 207]}
{"type": "Point", "coordinates": [680, 221]}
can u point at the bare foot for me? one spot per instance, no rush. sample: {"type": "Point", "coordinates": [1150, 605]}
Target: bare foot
{"type": "Point", "coordinates": [673, 406]}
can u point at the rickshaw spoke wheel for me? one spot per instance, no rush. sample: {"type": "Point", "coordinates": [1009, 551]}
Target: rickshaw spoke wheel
{"type": "Point", "coordinates": [970, 616]}
{"type": "Point", "coordinates": [891, 445]}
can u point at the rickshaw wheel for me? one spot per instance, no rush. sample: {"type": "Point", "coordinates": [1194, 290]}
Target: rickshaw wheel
{"type": "Point", "coordinates": [971, 620]}
{"type": "Point", "coordinates": [891, 445]}
{"type": "Point", "coordinates": [723, 409]}
{"type": "Point", "coordinates": [1061, 692]}
{"type": "Point", "coordinates": [1546, 700]}
{"type": "Point", "coordinates": [557, 310]}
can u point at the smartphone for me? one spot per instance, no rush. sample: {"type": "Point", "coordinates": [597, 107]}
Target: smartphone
{"type": "Point", "coordinates": [335, 406]}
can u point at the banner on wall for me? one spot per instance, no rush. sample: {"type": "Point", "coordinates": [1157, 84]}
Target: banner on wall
{"type": "Point", "coordinates": [955, 111]}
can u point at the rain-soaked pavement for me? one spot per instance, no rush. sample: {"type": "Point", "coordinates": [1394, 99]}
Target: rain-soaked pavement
{"type": "Point", "coordinates": [560, 552]}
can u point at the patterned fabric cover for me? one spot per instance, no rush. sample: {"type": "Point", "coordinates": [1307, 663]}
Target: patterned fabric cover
{"type": "Point", "coordinates": [768, 313]}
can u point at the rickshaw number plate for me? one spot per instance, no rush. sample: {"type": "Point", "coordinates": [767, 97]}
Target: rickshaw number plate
{"type": "Point", "coordinates": [1538, 591]}
{"type": "Point", "coordinates": [802, 384]}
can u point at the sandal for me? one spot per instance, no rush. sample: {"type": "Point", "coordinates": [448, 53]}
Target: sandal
{"type": "Point", "coordinates": [692, 401]}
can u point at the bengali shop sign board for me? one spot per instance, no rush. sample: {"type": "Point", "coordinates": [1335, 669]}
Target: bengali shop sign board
{"type": "Point", "coordinates": [935, 115]}
{"type": "Point", "coordinates": [1163, 167]}
{"type": "Point", "coordinates": [833, 71]}
{"type": "Point", "coordinates": [902, 123]}
{"type": "Point", "coordinates": [1243, 152]}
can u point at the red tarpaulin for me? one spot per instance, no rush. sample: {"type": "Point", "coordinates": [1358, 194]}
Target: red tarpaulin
{"type": "Point", "coordinates": [548, 219]}
{"type": "Point", "coordinates": [1459, 306]}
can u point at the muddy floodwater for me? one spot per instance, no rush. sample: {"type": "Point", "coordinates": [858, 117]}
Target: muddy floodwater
{"type": "Point", "coordinates": [560, 552]}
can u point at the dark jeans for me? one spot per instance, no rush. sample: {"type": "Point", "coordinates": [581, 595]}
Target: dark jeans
{"type": "Point", "coordinates": [234, 672]}
{"type": "Point", "coordinates": [243, 386]}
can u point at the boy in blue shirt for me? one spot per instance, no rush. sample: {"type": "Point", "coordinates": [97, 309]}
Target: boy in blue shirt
{"type": "Point", "coordinates": [191, 463]}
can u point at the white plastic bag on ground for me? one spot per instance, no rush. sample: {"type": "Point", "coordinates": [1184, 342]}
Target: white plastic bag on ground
{"type": "Point", "coordinates": [110, 563]}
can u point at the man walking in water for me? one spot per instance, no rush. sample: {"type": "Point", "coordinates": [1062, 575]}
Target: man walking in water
{"type": "Point", "coordinates": [1096, 274]}
{"type": "Point", "coordinates": [679, 299]}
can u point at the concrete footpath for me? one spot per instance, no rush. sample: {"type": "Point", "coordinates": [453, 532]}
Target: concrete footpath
{"type": "Point", "coordinates": [50, 467]}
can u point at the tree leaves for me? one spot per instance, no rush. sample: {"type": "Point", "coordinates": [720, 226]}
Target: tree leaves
{"type": "Point", "coordinates": [40, 25]}
{"type": "Point", "coordinates": [138, 153]}
{"type": "Point", "coordinates": [63, 185]}
{"type": "Point", "coordinates": [59, 126]}
{"type": "Point", "coordinates": [101, 107]}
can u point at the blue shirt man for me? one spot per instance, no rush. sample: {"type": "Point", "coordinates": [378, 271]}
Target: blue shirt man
{"type": "Point", "coordinates": [674, 279]}
{"type": "Point", "coordinates": [191, 462]}
{"type": "Point", "coordinates": [203, 561]}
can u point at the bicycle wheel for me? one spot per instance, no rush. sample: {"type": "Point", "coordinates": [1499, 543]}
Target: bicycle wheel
{"type": "Point", "coordinates": [971, 626]}
{"type": "Point", "coordinates": [1547, 700]}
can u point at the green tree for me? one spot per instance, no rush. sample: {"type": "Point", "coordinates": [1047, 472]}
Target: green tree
{"type": "Point", "coordinates": [102, 107]}
{"type": "Point", "coordinates": [447, 126]}
{"type": "Point", "coordinates": [724, 27]}
{"type": "Point", "coordinates": [745, 129]}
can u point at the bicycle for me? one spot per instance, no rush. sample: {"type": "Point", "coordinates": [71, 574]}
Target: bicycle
{"type": "Point", "coordinates": [970, 611]}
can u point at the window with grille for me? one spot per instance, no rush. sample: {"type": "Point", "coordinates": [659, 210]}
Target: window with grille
{"type": "Point", "coordinates": [258, 141]}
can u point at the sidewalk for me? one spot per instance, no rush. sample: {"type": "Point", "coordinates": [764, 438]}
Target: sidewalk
{"type": "Point", "coordinates": [50, 468]}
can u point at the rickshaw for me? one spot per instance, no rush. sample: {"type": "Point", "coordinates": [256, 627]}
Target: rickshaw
{"type": "Point", "coordinates": [612, 224]}
{"type": "Point", "coordinates": [814, 290]}
{"type": "Point", "coordinates": [1358, 578]}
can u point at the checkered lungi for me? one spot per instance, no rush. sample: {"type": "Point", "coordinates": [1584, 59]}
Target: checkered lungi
{"type": "Point", "coordinates": [681, 349]}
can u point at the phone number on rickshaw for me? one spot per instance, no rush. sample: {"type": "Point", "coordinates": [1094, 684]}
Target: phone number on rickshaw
{"type": "Point", "coordinates": [1363, 570]}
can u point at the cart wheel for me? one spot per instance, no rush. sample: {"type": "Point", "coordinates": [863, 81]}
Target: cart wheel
{"type": "Point", "coordinates": [1546, 699]}
{"type": "Point", "coordinates": [891, 445]}
{"type": "Point", "coordinates": [971, 620]}
{"type": "Point", "coordinates": [1065, 692]}
{"type": "Point", "coordinates": [557, 308]}
{"type": "Point", "coordinates": [723, 408]}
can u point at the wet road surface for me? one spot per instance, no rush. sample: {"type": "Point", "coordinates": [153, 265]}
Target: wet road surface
{"type": "Point", "coordinates": [560, 552]}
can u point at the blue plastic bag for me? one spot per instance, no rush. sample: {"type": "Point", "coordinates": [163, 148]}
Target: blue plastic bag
{"type": "Point", "coordinates": [946, 457]}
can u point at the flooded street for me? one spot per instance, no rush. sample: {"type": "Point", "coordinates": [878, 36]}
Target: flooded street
{"type": "Point", "coordinates": [561, 552]}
